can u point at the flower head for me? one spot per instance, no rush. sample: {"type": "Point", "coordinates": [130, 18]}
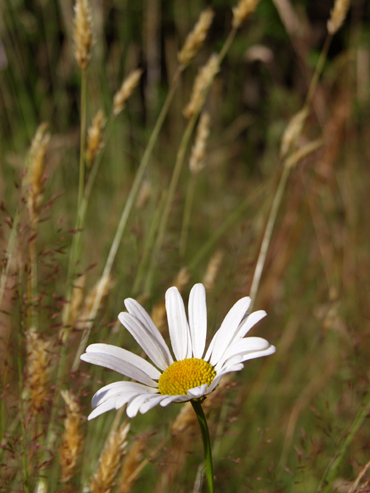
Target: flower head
{"type": "Point", "coordinates": [193, 372]}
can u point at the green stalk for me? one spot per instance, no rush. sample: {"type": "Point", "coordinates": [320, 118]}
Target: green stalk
{"type": "Point", "coordinates": [187, 214]}
{"type": "Point", "coordinates": [267, 234]}
{"type": "Point", "coordinates": [169, 199]}
{"type": "Point", "coordinates": [332, 472]}
{"type": "Point", "coordinates": [197, 406]}
{"type": "Point", "coordinates": [125, 215]}
{"type": "Point", "coordinates": [81, 183]}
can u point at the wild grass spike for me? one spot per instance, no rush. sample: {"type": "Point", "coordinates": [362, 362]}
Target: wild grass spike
{"type": "Point", "coordinates": [94, 141]}
{"type": "Point", "coordinates": [72, 439]}
{"type": "Point", "coordinates": [104, 480]}
{"type": "Point", "coordinates": [204, 78]}
{"type": "Point", "coordinates": [82, 33]}
{"type": "Point", "coordinates": [196, 38]}
{"type": "Point", "coordinates": [125, 91]}
{"type": "Point", "coordinates": [198, 153]}
{"type": "Point", "coordinates": [337, 15]}
{"type": "Point", "coordinates": [38, 370]}
{"type": "Point", "coordinates": [242, 11]}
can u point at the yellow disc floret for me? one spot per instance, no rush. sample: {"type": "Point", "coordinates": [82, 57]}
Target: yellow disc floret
{"type": "Point", "coordinates": [184, 375]}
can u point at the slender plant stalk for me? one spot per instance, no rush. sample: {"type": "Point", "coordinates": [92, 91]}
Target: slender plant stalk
{"type": "Point", "coordinates": [169, 199]}
{"type": "Point", "coordinates": [177, 169]}
{"type": "Point", "coordinates": [125, 215]}
{"type": "Point", "coordinates": [318, 70]}
{"type": "Point", "coordinates": [148, 245]}
{"type": "Point", "coordinates": [197, 406]}
{"type": "Point", "coordinates": [81, 183]}
{"type": "Point", "coordinates": [187, 213]}
{"type": "Point", "coordinates": [332, 472]}
{"type": "Point", "coordinates": [267, 234]}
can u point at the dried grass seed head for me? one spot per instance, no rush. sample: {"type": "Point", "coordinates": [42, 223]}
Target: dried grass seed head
{"type": "Point", "coordinates": [242, 11]}
{"type": "Point", "coordinates": [213, 268]}
{"type": "Point", "coordinates": [72, 440]}
{"type": "Point", "coordinates": [109, 462]}
{"type": "Point", "coordinates": [198, 153]}
{"type": "Point", "coordinates": [36, 161]}
{"type": "Point", "coordinates": [337, 15]}
{"type": "Point", "coordinates": [38, 369]}
{"type": "Point", "coordinates": [292, 132]}
{"type": "Point", "coordinates": [94, 141]}
{"type": "Point", "coordinates": [125, 91]}
{"type": "Point", "coordinates": [196, 38]}
{"type": "Point", "coordinates": [82, 33]}
{"type": "Point", "coordinates": [131, 461]}
{"type": "Point", "coordinates": [202, 81]}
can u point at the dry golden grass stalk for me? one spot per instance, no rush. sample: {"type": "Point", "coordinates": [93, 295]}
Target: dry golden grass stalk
{"type": "Point", "coordinates": [37, 168]}
{"type": "Point", "coordinates": [38, 370]}
{"type": "Point", "coordinates": [292, 132]}
{"type": "Point", "coordinates": [130, 463]}
{"type": "Point", "coordinates": [213, 268]}
{"type": "Point", "coordinates": [72, 440]}
{"type": "Point", "coordinates": [106, 284]}
{"type": "Point", "coordinates": [204, 78]}
{"type": "Point", "coordinates": [143, 195]}
{"type": "Point", "coordinates": [198, 153]}
{"type": "Point", "coordinates": [182, 279]}
{"type": "Point", "coordinates": [103, 480]}
{"type": "Point", "coordinates": [94, 141]}
{"type": "Point", "coordinates": [125, 91]}
{"type": "Point", "coordinates": [337, 15]}
{"type": "Point", "coordinates": [196, 38]}
{"type": "Point", "coordinates": [82, 33]}
{"type": "Point", "coordinates": [71, 313]}
{"type": "Point", "coordinates": [242, 11]}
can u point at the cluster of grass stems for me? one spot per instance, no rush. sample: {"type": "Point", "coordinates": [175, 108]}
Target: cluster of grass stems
{"type": "Point", "coordinates": [289, 235]}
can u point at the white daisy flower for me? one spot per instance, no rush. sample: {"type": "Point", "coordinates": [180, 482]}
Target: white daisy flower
{"type": "Point", "coordinates": [193, 372]}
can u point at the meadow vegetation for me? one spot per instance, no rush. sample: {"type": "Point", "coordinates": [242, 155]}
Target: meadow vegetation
{"type": "Point", "coordinates": [148, 144]}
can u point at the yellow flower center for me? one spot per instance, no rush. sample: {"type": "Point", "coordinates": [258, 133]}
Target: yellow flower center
{"type": "Point", "coordinates": [186, 374]}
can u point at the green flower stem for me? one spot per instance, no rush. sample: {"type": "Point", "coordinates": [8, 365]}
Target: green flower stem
{"type": "Point", "coordinates": [197, 406]}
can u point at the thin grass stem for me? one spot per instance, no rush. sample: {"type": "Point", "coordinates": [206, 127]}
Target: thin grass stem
{"type": "Point", "coordinates": [197, 406]}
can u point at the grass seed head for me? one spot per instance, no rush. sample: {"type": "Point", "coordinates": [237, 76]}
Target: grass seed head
{"type": "Point", "coordinates": [203, 80]}
{"type": "Point", "coordinates": [337, 15]}
{"type": "Point", "coordinates": [198, 153]}
{"type": "Point", "coordinates": [82, 33]}
{"type": "Point", "coordinates": [242, 11]}
{"type": "Point", "coordinates": [103, 480]}
{"type": "Point", "coordinates": [195, 39]}
{"type": "Point", "coordinates": [72, 439]}
{"type": "Point", "coordinates": [37, 167]}
{"type": "Point", "coordinates": [38, 370]}
{"type": "Point", "coordinates": [94, 141]}
{"type": "Point", "coordinates": [130, 463]}
{"type": "Point", "coordinates": [125, 91]}
{"type": "Point", "coordinates": [292, 132]}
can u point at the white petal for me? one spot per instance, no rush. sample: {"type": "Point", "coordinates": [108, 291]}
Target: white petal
{"type": "Point", "coordinates": [177, 324]}
{"type": "Point", "coordinates": [116, 389]}
{"type": "Point", "coordinates": [198, 319]}
{"type": "Point", "coordinates": [123, 362]}
{"type": "Point", "coordinates": [136, 403]}
{"type": "Point", "coordinates": [145, 338]}
{"type": "Point", "coordinates": [106, 406]}
{"type": "Point", "coordinates": [198, 391]}
{"type": "Point", "coordinates": [216, 380]}
{"type": "Point", "coordinates": [152, 402]}
{"type": "Point", "coordinates": [175, 398]}
{"type": "Point", "coordinates": [227, 331]}
{"type": "Point", "coordinates": [242, 346]}
{"type": "Point", "coordinates": [249, 322]}
{"type": "Point", "coordinates": [245, 357]}
{"type": "Point", "coordinates": [141, 314]}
